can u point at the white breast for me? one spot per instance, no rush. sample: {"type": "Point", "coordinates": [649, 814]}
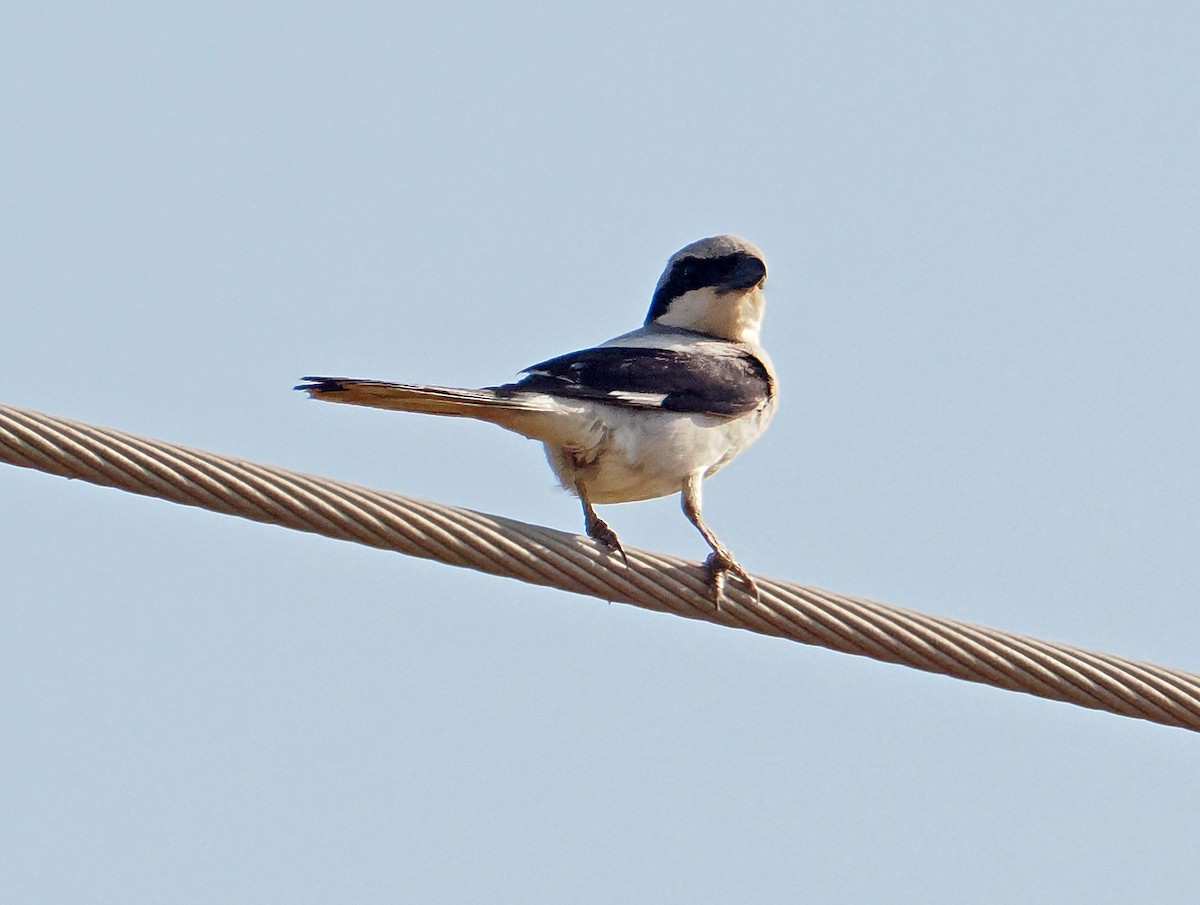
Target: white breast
{"type": "Point", "coordinates": [646, 454]}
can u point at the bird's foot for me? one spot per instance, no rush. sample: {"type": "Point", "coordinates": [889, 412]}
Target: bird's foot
{"type": "Point", "coordinates": [719, 564]}
{"type": "Point", "coordinates": [598, 530]}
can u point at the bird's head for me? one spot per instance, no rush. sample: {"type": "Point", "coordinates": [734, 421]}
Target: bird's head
{"type": "Point", "coordinates": [714, 286]}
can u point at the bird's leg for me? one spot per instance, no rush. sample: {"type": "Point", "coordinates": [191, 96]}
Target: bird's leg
{"type": "Point", "coordinates": [721, 561]}
{"type": "Point", "coordinates": [596, 528]}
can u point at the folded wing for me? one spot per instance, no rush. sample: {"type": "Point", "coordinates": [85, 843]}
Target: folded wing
{"type": "Point", "coordinates": [724, 381]}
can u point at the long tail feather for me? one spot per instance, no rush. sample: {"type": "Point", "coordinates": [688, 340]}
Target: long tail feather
{"type": "Point", "coordinates": [532, 414]}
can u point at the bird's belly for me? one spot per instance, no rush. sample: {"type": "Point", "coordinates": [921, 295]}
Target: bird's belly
{"type": "Point", "coordinates": [643, 455]}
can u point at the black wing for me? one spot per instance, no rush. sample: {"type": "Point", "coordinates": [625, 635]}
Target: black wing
{"type": "Point", "coordinates": [721, 381]}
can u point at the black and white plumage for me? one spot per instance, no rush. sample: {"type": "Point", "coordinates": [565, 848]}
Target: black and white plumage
{"type": "Point", "coordinates": [647, 414]}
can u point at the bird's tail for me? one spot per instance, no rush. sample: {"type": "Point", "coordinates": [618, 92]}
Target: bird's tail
{"type": "Point", "coordinates": [533, 414]}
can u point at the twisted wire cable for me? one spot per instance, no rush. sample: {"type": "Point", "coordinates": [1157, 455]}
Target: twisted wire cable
{"type": "Point", "coordinates": [543, 556]}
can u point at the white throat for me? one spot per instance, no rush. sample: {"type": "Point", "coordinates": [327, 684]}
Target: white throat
{"type": "Point", "coordinates": [735, 316]}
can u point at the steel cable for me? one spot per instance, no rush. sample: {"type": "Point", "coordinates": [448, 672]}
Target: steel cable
{"type": "Point", "coordinates": [543, 556]}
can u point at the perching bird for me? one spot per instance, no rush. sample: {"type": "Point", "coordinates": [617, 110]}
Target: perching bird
{"type": "Point", "coordinates": [644, 415]}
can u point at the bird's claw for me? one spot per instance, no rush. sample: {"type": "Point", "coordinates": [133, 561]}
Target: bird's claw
{"type": "Point", "coordinates": [598, 530]}
{"type": "Point", "coordinates": [719, 564]}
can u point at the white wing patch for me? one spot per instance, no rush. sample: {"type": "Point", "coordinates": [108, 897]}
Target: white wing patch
{"type": "Point", "coordinates": [631, 397]}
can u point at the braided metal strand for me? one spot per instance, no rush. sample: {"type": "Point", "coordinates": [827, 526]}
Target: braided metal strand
{"type": "Point", "coordinates": [544, 556]}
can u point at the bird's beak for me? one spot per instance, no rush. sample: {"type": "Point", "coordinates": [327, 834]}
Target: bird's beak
{"type": "Point", "coordinates": [748, 273]}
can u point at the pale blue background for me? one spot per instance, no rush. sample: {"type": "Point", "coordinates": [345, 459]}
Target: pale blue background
{"type": "Point", "coordinates": [982, 224]}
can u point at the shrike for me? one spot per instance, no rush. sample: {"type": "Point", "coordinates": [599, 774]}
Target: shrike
{"type": "Point", "coordinates": [644, 415]}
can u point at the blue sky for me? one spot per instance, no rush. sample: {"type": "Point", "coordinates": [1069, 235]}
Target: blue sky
{"type": "Point", "coordinates": [981, 223]}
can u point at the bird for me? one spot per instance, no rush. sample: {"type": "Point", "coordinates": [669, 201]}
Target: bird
{"type": "Point", "coordinates": [647, 414]}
